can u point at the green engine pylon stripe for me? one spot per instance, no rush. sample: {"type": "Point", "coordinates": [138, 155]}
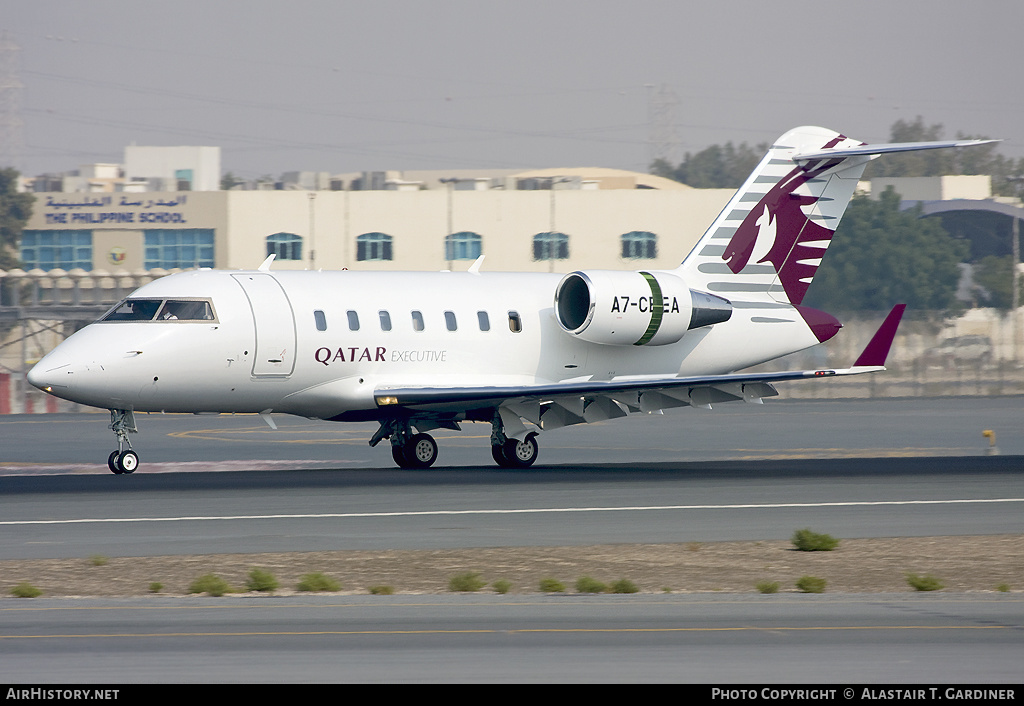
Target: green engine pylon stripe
{"type": "Point", "coordinates": [657, 310]}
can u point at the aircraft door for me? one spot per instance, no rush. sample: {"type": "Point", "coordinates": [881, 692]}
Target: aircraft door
{"type": "Point", "coordinates": [275, 325]}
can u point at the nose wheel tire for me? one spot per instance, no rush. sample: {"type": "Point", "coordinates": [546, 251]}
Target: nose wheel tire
{"type": "Point", "coordinates": [128, 461]}
{"type": "Point", "coordinates": [123, 461]}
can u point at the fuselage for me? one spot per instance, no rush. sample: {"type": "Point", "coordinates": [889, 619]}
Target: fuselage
{"type": "Point", "coordinates": [317, 344]}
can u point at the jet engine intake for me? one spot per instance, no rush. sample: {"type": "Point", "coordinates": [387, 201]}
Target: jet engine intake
{"type": "Point", "coordinates": [633, 308]}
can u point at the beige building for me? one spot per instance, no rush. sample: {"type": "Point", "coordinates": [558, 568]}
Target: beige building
{"type": "Point", "coordinates": [559, 230]}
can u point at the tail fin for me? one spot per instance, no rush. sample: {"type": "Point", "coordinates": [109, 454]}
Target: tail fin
{"type": "Point", "coordinates": [768, 242]}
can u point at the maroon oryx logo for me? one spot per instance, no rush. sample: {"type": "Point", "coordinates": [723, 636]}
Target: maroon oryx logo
{"type": "Point", "coordinates": [779, 232]}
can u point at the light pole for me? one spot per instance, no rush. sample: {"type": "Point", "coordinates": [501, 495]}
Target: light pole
{"type": "Point", "coordinates": [312, 236]}
{"type": "Point", "coordinates": [449, 245]}
{"type": "Point", "coordinates": [549, 244]}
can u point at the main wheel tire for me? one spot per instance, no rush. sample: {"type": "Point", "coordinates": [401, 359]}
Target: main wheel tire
{"type": "Point", "coordinates": [112, 463]}
{"type": "Point", "coordinates": [398, 454]}
{"type": "Point", "coordinates": [521, 454]}
{"type": "Point", "coordinates": [128, 461]}
{"type": "Point", "coordinates": [421, 451]}
{"type": "Point", "coordinates": [498, 454]}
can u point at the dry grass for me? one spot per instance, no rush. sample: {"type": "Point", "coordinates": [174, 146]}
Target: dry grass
{"type": "Point", "coordinates": [857, 566]}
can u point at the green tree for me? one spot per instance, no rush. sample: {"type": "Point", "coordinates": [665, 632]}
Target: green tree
{"type": "Point", "coordinates": [994, 275]}
{"type": "Point", "coordinates": [15, 210]}
{"type": "Point", "coordinates": [981, 159]}
{"type": "Point", "coordinates": [882, 256]}
{"type": "Point", "coordinates": [716, 167]}
{"type": "Point", "coordinates": [229, 180]}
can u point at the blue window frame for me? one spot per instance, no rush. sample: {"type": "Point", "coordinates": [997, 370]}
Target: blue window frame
{"type": "Point", "coordinates": [464, 245]}
{"type": "Point", "coordinates": [639, 245]}
{"type": "Point", "coordinates": [179, 247]}
{"type": "Point", "coordinates": [551, 246]}
{"type": "Point", "coordinates": [287, 246]}
{"type": "Point", "coordinates": [50, 249]}
{"type": "Point", "coordinates": [374, 246]}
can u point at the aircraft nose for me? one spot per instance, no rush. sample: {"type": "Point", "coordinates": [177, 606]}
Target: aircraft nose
{"type": "Point", "coordinates": [48, 374]}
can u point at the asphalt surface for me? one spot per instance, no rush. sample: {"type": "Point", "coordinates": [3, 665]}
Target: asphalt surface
{"type": "Point", "coordinates": [230, 484]}
{"type": "Point", "coordinates": [707, 639]}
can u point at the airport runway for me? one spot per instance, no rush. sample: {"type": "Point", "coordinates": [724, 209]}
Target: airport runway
{"type": "Point", "coordinates": [858, 469]}
{"type": "Point", "coordinates": [854, 469]}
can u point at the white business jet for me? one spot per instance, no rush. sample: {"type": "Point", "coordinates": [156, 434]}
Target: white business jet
{"type": "Point", "coordinates": [417, 351]}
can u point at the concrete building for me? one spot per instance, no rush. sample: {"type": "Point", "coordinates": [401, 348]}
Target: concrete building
{"type": "Point", "coordinates": [556, 230]}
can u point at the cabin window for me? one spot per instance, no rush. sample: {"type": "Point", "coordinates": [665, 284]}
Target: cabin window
{"type": "Point", "coordinates": [385, 321]}
{"type": "Point", "coordinates": [353, 321]}
{"type": "Point", "coordinates": [449, 320]}
{"type": "Point", "coordinates": [515, 324]}
{"type": "Point", "coordinates": [484, 320]}
{"type": "Point", "coordinates": [417, 321]}
{"type": "Point", "coordinates": [321, 320]}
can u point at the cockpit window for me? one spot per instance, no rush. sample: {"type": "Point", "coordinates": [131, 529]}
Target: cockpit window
{"type": "Point", "coordinates": [162, 310]}
{"type": "Point", "coordinates": [185, 311]}
{"type": "Point", "coordinates": [134, 310]}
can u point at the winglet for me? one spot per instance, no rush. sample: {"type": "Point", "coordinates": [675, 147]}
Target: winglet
{"type": "Point", "coordinates": [878, 348]}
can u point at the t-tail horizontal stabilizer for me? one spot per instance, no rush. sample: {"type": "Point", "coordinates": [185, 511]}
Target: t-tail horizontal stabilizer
{"type": "Point", "coordinates": [877, 350]}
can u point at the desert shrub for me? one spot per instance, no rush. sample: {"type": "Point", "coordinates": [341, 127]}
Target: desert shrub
{"type": "Point", "coordinates": [1003, 588]}
{"type": "Point", "coordinates": [98, 560]}
{"type": "Point", "coordinates": [623, 586]}
{"type": "Point", "coordinates": [467, 582]}
{"type": "Point", "coordinates": [586, 584]}
{"type": "Point", "coordinates": [26, 590]}
{"type": "Point", "coordinates": [382, 590]}
{"type": "Point", "coordinates": [212, 584]}
{"type": "Point", "coordinates": [260, 580]}
{"type": "Point", "coordinates": [924, 583]}
{"type": "Point", "coordinates": [807, 541]}
{"type": "Point", "coordinates": [501, 586]}
{"type": "Point", "coordinates": [156, 587]}
{"type": "Point", "coordinates": [317, 582]}
{"type": "Point", "coordinates": [767, 586]}
{"type": "Point", "coordinates": [550, 585]}
{"type": "Point", "coordinates": [811, 584]}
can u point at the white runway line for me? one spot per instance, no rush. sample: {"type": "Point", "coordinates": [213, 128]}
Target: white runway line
{"type": "Point", "coordinates": [524, 511]}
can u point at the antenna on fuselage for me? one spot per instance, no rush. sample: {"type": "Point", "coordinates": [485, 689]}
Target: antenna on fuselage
{"type": "Point", "coordinates": [265, 267]}
{"type": "Point", "coordinates": [475, 267]}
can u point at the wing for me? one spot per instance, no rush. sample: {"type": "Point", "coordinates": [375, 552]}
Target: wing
{"type": "Point", "coordinates": [553, 405]}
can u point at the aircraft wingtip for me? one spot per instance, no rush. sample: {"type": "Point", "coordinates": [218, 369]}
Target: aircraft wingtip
{"type": "Point", "coordinates": [877, 349]}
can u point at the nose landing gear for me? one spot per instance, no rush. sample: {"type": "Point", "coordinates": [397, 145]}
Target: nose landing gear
{"type": "Point", "coordinates": [122, 423]}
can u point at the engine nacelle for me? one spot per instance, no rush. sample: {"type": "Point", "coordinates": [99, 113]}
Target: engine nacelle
{"type": "Point", "coordinates": [634, 308]}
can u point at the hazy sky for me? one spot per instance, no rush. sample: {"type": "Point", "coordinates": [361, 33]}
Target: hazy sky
{"type": "Point", "coordinates": [346, 86]}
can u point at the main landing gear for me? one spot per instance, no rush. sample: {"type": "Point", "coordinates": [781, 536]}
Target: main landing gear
{"type": "Point", "coordinates": [418, 450]}
{"type": "Point", "coordinates": [409, 450]}
{"type": "Point", "coordinates": [516, 454]}
{"type": "Point", "coordinates": [122, 423]}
